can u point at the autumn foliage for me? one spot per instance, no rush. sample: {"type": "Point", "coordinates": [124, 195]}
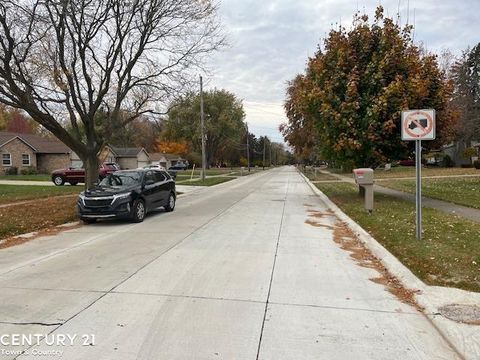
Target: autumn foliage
{"type": "Point", "coordinates": [347, 106]}
{"type": "Point", "coordinates": [173, 147]}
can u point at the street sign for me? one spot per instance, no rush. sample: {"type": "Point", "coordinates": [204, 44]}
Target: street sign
{"type": "Point", "coordinates": [418, 125]}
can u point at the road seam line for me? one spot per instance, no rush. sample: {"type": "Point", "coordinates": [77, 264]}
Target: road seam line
{"type": "Point", "coordinates": [148, 263]}
{"type": "Point", "coordinates": [273, 270]}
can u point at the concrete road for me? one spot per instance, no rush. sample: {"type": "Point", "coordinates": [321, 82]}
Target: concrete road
{"type": "Point", "coordinates": [234, 273]}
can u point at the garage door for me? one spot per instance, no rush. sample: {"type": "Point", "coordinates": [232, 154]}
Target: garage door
{"type": "Point", "coordinates": [141, 164]}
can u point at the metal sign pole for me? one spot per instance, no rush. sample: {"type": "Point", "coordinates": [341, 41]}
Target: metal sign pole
{"type": "Point", "coordinates": [418, 165]}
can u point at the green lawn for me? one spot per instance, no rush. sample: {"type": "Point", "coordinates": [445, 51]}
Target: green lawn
{"type": "Point", "coordinates": [40, 177]}
{"type": "Point", "coordinates": [462, 191]}
{"type": "Point", "coordinates": [208, 181]}
{"type": "Point", "coordinates": [409, 171]}
{"type": "Point", "coordinates": [12, 193]}
{"type": "Point", "coordinates": [449, 254]}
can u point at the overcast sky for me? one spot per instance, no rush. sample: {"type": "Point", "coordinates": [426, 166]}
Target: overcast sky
{"type": "Point", "coordinates": [270, 41]}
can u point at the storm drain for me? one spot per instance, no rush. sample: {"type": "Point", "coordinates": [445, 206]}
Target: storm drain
{"type": "Point", "coordinates": [467, 314]}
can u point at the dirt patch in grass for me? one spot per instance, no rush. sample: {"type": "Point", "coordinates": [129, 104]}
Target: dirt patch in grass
{"type": "Point", "coordinates": [43, 214]}
{"type": "Point", "coordinates": [448, 255]}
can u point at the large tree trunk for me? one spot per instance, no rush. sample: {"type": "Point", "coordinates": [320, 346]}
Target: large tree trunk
{"type": "Point", "coordinates": [91, 170]}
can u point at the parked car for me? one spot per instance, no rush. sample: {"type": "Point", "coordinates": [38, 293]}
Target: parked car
{"type": "Point", "coordinates": [154, 166]}
{"type": "Point", "coordinates": [179, 166]}
{"type": "Point", "coordinates": [74, 175]}
{"type": "Point", "coordinates": [128, 194]}
{"type": "Point", "coordinates": [408, 162]}
{"type": "Point", "coordinates": [172, 173]}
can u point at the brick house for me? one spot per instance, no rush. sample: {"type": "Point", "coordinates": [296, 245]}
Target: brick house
{"type": "Point", "coordinates": [25, 151]}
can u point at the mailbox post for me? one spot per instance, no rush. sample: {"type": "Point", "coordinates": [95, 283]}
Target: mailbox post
{"type": "Point", "coordinates": [364, 179]}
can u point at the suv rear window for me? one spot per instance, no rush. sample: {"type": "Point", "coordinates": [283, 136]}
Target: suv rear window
{"type": "Point", "coordinates": [159, 176]}
{"type": "Point", "coordinates": [167, 175]}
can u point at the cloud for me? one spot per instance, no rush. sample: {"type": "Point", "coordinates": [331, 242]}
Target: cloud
{"type": "Point", "coordinates": [271, 41]}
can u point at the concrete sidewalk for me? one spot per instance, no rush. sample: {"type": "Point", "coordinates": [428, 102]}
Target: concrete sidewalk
{"type": "Point", "coordinates": [27, 182]}
{"type": "Point", "coordinates": [249, 270]}
{"type": "Point", "coordinates": [444, 206]}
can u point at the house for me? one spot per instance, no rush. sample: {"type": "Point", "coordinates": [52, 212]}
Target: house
{"type": "Point", "coordinates": [127, 158]}
{"type": "Point", "coordinates": [456, 152]}
{"type": "Point", "coordinates": [26, 151]}
{"type": "Point", "coordinates": [167, 160]}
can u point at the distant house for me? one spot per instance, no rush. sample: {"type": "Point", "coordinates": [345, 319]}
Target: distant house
{"type": "Point", "coordinates": [32, 151]}
{"type": "Point", "coordinates": [127, 158]}
{"type": "Point", "coordinates": [167, 160]}
{"type": "Point", "coordinates": [455, 151]}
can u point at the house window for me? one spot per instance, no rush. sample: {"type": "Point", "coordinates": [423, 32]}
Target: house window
{"type": "Point", "coordinates": [26, 159]}
{"type": "Point", "coordinates": [6, 159]}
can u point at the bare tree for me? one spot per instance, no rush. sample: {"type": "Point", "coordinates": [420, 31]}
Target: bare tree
{"type": "Point", "coordinates": [64, 61]}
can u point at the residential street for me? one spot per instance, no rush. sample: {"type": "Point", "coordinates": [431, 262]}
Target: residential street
{"type": "Point", "coordinates": [248, 269]}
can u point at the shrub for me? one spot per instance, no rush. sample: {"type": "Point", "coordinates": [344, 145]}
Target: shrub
{"type": "Point", "coordinates": [29, 171]}
{"type": "Point", "coordinates": [243, 161]}
{"type": "Point", "coordinates": [469, 152]}
{"type": "Point", "coordinates": [12, 170]}
{"type": "Point", "coordinates": [447, 161]}
{"type": "Point", "coordinates": [476, 163]}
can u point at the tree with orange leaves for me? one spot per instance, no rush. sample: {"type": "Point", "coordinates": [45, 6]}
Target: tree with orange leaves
{"type": "Point", "coordinates": [173, 147]}
{"type": "Point", "coordinates": [347, 106]}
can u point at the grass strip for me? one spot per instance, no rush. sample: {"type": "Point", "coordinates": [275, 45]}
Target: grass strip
{"type": "Point", "coordinates": [208, 181]}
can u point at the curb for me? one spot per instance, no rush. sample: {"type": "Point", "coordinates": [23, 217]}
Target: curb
{"type": "Point", "coordinates": [393, 265]}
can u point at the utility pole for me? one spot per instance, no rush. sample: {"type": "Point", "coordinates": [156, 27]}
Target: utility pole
{"type": "Point", "coordinates": [263, 163]}
{"type": "Point", "coordinates": [248, 150]}
{"type": "Point", "coordinates": [270, 157]}
{"type": "Point", "coordinates": [202, 120]}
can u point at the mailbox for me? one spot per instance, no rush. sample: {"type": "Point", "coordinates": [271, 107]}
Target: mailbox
{"type": "Point", "coordinates": [364, 179]}
{"type": "Point", "coordinates": [363, 176]}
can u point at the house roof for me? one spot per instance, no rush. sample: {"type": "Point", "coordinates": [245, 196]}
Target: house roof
{"type": "Point", "coordinates": [158, 156]}
{"type": "Point", "coordinates": [38, 143]}
{"type": "Point", "coordinates": [127, 152]}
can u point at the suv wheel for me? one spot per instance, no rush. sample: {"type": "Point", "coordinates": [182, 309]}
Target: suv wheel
{"type": "Point", "coordinates": [58, 180]}
{"type": "Point", "coordinates": [138, 211]}
{"type": "Point", "coordinates": [170, 203]}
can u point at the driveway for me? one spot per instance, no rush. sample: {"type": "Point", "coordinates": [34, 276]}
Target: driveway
{"type": "Point", "coordinates": [237, 272]}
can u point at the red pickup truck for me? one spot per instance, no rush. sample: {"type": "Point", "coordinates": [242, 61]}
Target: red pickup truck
{"type": "Point", "coordinates": [77, 175]}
